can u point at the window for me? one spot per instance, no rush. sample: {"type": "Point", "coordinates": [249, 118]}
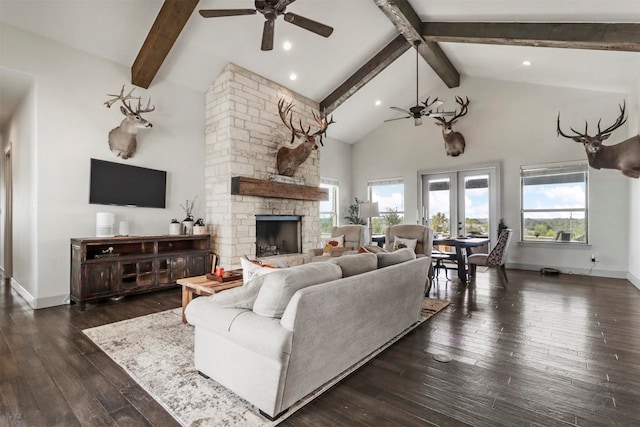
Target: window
{"type": "Point", "coordinates": [389, 194]}
{"type": "Point", "coordinates": [329, 208]}
{"type": "Point", "coordinates": [554, 203]}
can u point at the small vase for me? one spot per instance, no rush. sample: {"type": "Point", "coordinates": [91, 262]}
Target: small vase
{"type": "Point", "coordinates": [175, 228]}
{"type": "Point", "coordinates": [199, 229]}
{"type": "Point", "coordinates": [187, 227]}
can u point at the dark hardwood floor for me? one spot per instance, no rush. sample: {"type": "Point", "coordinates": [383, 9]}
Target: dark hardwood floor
{"type": "Point", "coordinates": [544, 351]}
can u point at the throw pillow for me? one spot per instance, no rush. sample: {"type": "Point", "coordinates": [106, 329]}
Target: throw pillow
{"type": "Point", "coordinates": [241, 297]}
{"type": "Point", "coordinates": [251, 270]}
{"type": "Point", "coordinates": [352, 265]}
{"type": "Point", "coordinates": [279, 287]}
{"type": "Point", "coordinates": [391, 258]}
{"type": "Point", "coordinates": [339, 239]}
{"type": "Point", "coordinates": [401, 242]}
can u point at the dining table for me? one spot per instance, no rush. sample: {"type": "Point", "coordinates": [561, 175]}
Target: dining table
{"type": "Point", "coordinates": [462, 243]}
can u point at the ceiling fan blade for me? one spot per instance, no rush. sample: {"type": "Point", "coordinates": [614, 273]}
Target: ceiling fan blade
{"type": "Point", "coordinates": [401, 110]}
{"type": "Point", "coordinates": [398, 118]}
{"type": "Point", "coordinates": [440, 114]}
{"type": "Point", "coordinates": [267, 35]}
{"type": "Point", "coordinates": [215, 13]}
{"type": "Point", "coordinates": [308, 24]}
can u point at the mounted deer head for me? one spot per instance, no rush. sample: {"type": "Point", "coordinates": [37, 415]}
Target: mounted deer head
{"type": "Point", "coordinates": [453, 141]}
{"type": "Point", "coordinates": [288, 159]}
{"type": "Point", "coordinates": [122, 140]}
{"type": "Point", "coordinates": [624, 156]}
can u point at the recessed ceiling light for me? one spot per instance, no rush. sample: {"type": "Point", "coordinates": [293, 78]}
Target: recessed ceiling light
{"type": "Point", "coordinates": [526, 63]}
{"type": "Point", "coordinates": [378, 102]}
{"type": "Point", "coordinates": [293, 76]}
{"type": "Point", "coordinates": [286, 45]}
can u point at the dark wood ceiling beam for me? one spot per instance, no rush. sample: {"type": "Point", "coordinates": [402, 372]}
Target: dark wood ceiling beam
{"type": "Point", "coordinates": [597, 36]}
{"type": "Point", "coordinates": [164, 32]}
{"type": "Point", "coordinates": [408, 23]}
{"type": "Point", "coordinates": [365, 74]}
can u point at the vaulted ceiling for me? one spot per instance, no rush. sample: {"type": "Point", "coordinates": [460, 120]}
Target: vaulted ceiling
{"type": "Point", "coordinates": [590, 44]}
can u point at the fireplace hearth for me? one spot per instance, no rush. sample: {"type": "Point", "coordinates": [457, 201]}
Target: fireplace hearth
{"type": "Point", "coordinates": [278, 235]}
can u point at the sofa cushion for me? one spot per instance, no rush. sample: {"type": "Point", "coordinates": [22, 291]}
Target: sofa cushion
{"type": "Point", "coordinates": [279, 286]}
{"type": "Point", "coordinates": [241, 297]}
{"type": "Point", "coordinates": [356, 264]}
{"type": "Point", "coordinates": [391, 258]}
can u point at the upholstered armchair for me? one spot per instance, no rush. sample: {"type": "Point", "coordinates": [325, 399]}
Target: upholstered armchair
{"type": "Point", "coordinates": [424, 243]}
{"type": "Point", "coordinates": [354, 237]}
{"type": "Point", "coordinates": [422, 233]}
{"type": "Point", "coordinates": [496, 258]}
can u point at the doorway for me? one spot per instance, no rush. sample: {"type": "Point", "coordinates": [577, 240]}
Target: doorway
{"type": "Point", "coordinates": [462, 202]}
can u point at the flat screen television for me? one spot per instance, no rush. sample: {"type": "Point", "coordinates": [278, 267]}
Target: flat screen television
{"type": "Point", "coordinates": [125, 185]}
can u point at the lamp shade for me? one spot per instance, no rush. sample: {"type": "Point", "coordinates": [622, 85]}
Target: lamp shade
{"type": "Point", "coordinates": [369, 210]}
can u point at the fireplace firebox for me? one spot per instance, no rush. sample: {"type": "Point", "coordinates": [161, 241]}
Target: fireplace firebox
{"type": "Point", "coordinates": [278, 235]}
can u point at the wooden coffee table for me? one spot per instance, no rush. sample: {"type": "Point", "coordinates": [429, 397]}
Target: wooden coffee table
{"type": "Point", "coordinates": [201, 286]}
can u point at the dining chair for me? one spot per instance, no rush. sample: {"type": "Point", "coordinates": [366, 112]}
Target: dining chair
{"type": "Point", "coordinates": [496, 258]}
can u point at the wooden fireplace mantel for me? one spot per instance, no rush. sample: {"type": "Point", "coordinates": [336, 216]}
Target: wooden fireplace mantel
{"type": "Point", "coordinates": [245, 186]}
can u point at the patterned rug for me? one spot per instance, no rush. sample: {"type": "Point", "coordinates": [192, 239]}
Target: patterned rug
{"type": "Point", "coordinates": [157, 352]}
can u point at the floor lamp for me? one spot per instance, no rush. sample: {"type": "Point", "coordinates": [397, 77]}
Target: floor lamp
{"type": "Point", "coordinates": [369, 210]}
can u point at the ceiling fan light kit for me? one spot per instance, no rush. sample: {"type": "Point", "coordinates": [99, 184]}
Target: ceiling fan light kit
{"type": "Point", "coordinates": [271, 9]}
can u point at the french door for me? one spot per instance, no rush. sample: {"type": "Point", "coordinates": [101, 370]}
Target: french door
{"type": "Point", "coordinates": [461, 203]}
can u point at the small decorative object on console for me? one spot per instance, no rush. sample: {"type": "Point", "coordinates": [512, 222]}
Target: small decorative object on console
{"type": "Point", "coordinates": [199, 227]}
{"type": "Point", "coordinates": [175, 228]}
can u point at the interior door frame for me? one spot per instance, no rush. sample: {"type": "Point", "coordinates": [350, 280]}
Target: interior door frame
{"type": "Point", "coordinates": [494, 192]}
{"type": "Point", "coordinates": [8, 213]}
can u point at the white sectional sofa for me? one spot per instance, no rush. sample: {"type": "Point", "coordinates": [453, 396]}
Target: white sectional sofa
{"type": "Point", "coordinates": [286, 333]}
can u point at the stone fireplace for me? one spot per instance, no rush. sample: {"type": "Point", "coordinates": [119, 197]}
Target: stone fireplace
{"type": "Point", "coordinates": [243, 134]}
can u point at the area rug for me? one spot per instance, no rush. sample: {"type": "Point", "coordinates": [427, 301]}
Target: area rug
{"type": "Point", "coordinates": [157, 352]}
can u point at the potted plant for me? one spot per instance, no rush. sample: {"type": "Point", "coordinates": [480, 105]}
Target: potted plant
{"type": "Point", "coordinates": [199, 227]}
{"type": "Point", "coordinates": [354, 213]}
{"type": "Point", "coordinates": [175, 228]}
{"type": "Point", "coordinates": [187, 223]}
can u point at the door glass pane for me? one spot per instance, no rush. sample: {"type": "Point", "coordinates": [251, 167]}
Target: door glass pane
{"type": "Point", "coordinates": [439, 206]}
{"type": "Point", "coordinates": [476, 205]}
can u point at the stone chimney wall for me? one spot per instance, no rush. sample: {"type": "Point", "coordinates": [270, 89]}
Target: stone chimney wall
{"type": "Point", "coordinates": [243, 133]}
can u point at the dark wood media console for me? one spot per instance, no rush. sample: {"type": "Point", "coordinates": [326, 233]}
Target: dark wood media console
{"type": "Point", "coordinates": [119, 266]}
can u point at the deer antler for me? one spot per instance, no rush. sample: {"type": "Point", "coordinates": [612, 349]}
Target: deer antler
{"type": "Point", "coordinates": [463, 108]}
{"type": "Point", "coordinates": [286, 115]}
{"type": "Point", "coordinates": [124, 98]}
{"type": "Point", "coordinates": [619, 121]}
{"type": "Point", "coordinates": [321, 120]}
{"type": "Point", "coordinates": [428, 104]}
{"type": "Point", "coordinates": [601, 135]}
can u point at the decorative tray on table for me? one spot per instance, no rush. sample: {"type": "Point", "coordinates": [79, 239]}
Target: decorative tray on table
{"type": "Point", "coordinates": [227, 276]}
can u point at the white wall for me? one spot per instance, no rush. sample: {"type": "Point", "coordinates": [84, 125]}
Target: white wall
{"type": "Point", "coordinates": [335, 162]}
{"type": "Point", "coordinates": [634, 193]}
{"type": "Point", "coordinates": [20, 133]}
{"type": "Point", "coordinates": [514, 124]}
{"type": "Point", "coordinates": [71, 127]}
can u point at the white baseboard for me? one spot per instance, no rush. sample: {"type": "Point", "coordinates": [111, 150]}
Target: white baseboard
{"type": "Point", "coordinates": [634, 280]}
{"type": "Point", "coordinates": [39, 302]}
{"type": "Point", "coordinates": [23, 292]}
{"type": "Point", "coordinates": [614, 274]}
